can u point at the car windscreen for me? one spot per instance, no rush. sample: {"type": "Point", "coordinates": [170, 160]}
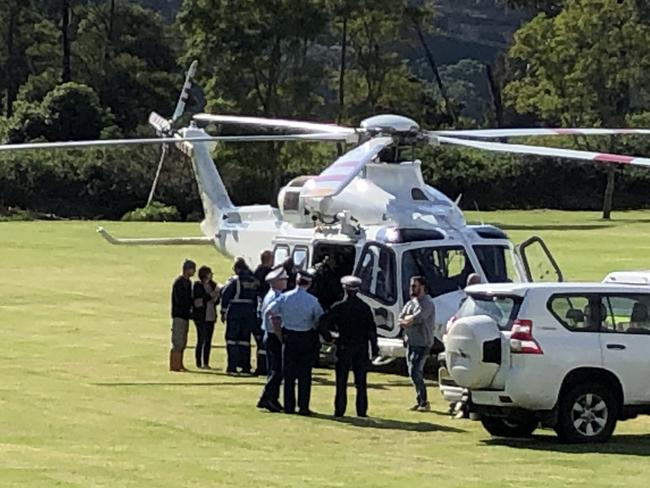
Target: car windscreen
{"type": "Point", "coordinates": [502, 308]}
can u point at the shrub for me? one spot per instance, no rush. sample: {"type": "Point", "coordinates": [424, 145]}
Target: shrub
{"type": "Point", "coordinates": [154, 212]}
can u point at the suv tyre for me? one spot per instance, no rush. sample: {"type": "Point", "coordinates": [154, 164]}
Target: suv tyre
{"type": "Point", "coordinates": [521, 426]}
{"type": "Point", "coordinates": [586, 413]}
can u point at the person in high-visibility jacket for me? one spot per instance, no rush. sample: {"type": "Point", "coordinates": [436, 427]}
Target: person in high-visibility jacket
{"type": "Point", "coordinates": [239, 312]}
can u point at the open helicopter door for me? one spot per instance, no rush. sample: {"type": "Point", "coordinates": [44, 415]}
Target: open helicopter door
{"type": "Point", "coordinates": [536, 262]}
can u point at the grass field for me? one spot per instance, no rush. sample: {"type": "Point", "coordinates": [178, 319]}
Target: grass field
{"type": "Point", "coordinates": [86, 399]}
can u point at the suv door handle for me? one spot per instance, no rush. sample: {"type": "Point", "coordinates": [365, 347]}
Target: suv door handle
{"type": "Point", "coordinates": [618, 347]}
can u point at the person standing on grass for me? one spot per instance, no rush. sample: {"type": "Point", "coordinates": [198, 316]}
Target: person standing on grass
{"type": "Point", "coordinates": [353, 319]}
{"type": "Point", "coordinates": [298, 312]}
{"type": "Point", "coordinates": [418, 321]}
{"type": "Point", "coordinates": [262, 270]}
{"type": "Point", "coordinates": [270, 398]}
{"type": "Point", "coordinates": [239, 311]}
{"type": "Point", "coordinates": [181, 312]}
{"type": "Point", "coordinates": [206, 298]}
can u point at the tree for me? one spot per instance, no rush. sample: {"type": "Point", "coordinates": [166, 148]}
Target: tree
{"type": "Point", "coordinates": [125, 53]}
{"type": "Point", "coordinates": [585, 66]}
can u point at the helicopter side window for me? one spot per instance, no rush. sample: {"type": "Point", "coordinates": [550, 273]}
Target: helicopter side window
{"type": "Point", "coordinates": [377, 272]}
{"type": "Point", "coordinates": [300, 256]}
{"type": "Point", "coordinates": [497, 262]}
{"type": "Point", "coordinates": [445, 268]}
{"type": "Point", "coordinates": [280, 254]}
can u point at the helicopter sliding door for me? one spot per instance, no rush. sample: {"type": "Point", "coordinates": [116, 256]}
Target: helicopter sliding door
{"type": "Point", "coordinates": [377, 269]}
{"type": "Point", "coordinates": [537, 261]}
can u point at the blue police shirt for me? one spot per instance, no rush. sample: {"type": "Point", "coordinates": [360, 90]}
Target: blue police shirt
{"type": "Point", "coordinates": [298, 309]}
{"type": "Point", "coordinates": [269, 298]}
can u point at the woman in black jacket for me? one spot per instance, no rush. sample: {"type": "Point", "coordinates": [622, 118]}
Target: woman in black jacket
{"type": "Point", "coordinates": [206, 298]}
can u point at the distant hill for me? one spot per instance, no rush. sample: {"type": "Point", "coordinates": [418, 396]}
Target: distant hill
{"type": "Point", "coordinates": [478, 29]}
{"type": "Point", "coordinates": [167, 8]}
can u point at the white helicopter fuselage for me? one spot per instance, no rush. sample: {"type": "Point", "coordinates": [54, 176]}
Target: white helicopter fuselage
{"type": "Point", "coordinates": [386, 226]}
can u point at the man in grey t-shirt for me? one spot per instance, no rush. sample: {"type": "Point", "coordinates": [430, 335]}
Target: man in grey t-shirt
{"type": "Point", "coordinates": [418, 321]}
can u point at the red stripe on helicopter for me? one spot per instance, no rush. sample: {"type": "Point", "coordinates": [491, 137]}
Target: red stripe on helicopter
{"type": "Point", "coordinates": [568, 131]}
{"type": "Point", "coordinates": [614, 158]}
{"type": "Point", "coordinates": [345, 164]}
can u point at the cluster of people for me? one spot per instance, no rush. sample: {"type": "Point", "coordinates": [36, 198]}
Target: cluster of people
{"type": "Point", "coordinates": [279, 307]}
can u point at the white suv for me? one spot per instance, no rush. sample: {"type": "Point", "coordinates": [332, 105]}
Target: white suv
{"type": "Point", "coordinates": [573, 356]}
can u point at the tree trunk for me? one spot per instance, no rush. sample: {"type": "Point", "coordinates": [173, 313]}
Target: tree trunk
{"type": "Point", "coordinates": [66, 72]}
{"type": "Point", "coordinates": [108, 53]}
{"type": "Point", "coordinates": [344, 47]}
{"type": "Point", "coordinates": [12, 84]}
{"type": "Point", "coordinates": [495, 91]}
{"type": "Point", "coordinates": [436, 73]}
{"type": "Point", "coordinates": [609, 192]}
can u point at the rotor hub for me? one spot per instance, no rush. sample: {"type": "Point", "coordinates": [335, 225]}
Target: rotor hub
{"type": "Point", "coordinates": [390, 124]}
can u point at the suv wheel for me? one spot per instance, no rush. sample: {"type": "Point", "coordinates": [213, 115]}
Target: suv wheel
{"type": "Point", "coordinates": [586, 413]}
{"type": "Point", "coordinates": [521, 426]}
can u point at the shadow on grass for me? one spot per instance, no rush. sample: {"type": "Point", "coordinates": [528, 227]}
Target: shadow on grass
{"type": "Point", "coordinates": [388, 424]}
{"type": "Point", "coordinates": [534, 227]}
{"type": "Point", "coordinates": [178, 383]}
{"type": "Point", "coordinates": [628, 444]}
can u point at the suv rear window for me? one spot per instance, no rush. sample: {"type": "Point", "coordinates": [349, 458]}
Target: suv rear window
{"type": "Point", "coordinates": [502, 308]}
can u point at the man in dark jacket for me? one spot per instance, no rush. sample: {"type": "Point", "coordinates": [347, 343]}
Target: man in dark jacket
{"type": "Point", "coordinates": [239, 310]}
{"type": "Point", "coordinates": [261, 272]}
{"type": "Point", "coordinates": [181, 312]}
{"type": "Point", "coordinates": [357, 335]}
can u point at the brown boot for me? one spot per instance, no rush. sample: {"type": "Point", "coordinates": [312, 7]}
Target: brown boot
{"type": "Point", "coordinates": [175, 361]}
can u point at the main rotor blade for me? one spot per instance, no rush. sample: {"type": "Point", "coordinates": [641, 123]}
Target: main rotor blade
{"type": "Point", "coordinates": [547, 151]}
{"type": "Point", "coordinates": [167, 140]}
{"type": "Point", "coordinates": [496, 133]}
{"type": "Point", "coordinates": [275, 123]}
{"type": "Point", "coordinates": [338, 175]}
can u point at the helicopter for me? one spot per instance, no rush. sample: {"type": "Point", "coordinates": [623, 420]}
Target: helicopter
{"type": "Point", "coordinates": [370, 213]}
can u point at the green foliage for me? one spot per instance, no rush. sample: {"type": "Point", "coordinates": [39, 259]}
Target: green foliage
{"type": "Point", "coordinates": [586, 66]}
{"type": "Point", "coordinates": [70, 111]}
{"type": "Point", "coordinates": [154, 212]}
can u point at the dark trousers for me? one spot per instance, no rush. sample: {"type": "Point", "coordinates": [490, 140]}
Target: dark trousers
{"type": "Point", "coordinates": [355, 359]}
{"type": "Point", "coordinates": [297, 356]}
{"type": "Point", "coordinates": [260, 347]}
{"type": "Point", "coordinates": [238, 343]}
{"type": "Point", "coordinates": [273, 348]}
{"type": "Point", "coordinates": [204, 331]}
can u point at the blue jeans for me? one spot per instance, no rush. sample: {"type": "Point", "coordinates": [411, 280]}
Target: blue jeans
{"type": "Point", "coordinates": [416, 356]}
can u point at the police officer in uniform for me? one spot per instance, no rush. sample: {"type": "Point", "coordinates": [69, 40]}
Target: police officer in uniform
{"type": "Point", "coordinates": [298, 312]}
{"type": "Point", "coordinates": [239, 311]}
{"type": "Point", "coordinates": [357, 335]}
{"type": "Point", "coordinates": [277, 279]}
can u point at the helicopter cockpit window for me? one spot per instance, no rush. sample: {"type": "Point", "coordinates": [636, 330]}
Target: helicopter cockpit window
{"type": "Point", "coordinates": [445, 268]}
{"type": "Point", "coordinates": [377, 272]}
{"type": "Point", "coordinates": [497, 262]}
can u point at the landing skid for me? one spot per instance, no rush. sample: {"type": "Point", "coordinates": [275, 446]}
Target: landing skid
{"type": "Point", "coordinates": [154, 241]}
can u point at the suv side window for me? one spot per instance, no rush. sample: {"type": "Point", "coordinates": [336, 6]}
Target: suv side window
{"type": "Point", "coordinates": [578, 312]}
{"type": "Point", "coordinates": [627, 314]}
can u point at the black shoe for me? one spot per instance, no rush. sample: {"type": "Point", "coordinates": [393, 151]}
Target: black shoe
{"type": "Point", "coordinates": [231, 372]}
{"type": "Point", "coordinates": [270, 406]}
{"type": "Point", "coordinates": [246, 372]}
{"type": "Point", "coordinates": [305, 412]}
{"type": "Point", "coordinates": [338, 414]}
{"type": "Point", "coordinates": [276, 404]}
{"type": "Point", "coordinates": [289, 412]}
{"type": "Point", "coordinates": [362, 415]}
